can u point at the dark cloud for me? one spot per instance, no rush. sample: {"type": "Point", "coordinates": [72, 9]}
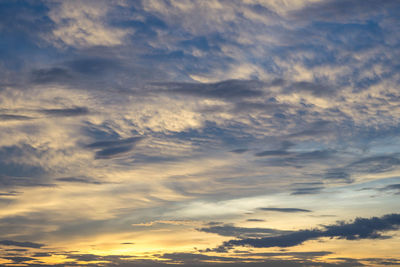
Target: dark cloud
{"type": "Point", "coordinates": [20, 244]}
{"type": "Point", "coordinates": [311, 87]}
{"type": "Point", "coordinates": [18, 259]}
{"type": "Point", "coordinates": [344, 10]}
{"type": "Point", "coordinates": [78, 180]}
{"type": "Point", "coordinates": [93, 257]}
{"type": "Point", "coordinates": [13, 117]}
{"type": "Point", "coordinates": [94, 65]}
{"type": "Point", "coordinates": [318, 128]}
{"type": "Point", "coordinates": [241, 232]}
{"type": "Point", "coordinates": [307, 190]}
{"type": "Point", "coordinates": [16, 169]}
{"type": "Point", "coordinates": [111, 152]}
{"type": "Point", "coordinates": [65, 112]}
{"type": "Point", "coordinates": [289, 210]}
{"type": "Point", "coordinates": [274, 153]}
{"type": "Point", "coordinates": [49, 75]}
{"type": "Point", "coordinates": [229, 89]}
{"type": "Point", "coordinates": [111, 148]}
{"type": "Point", "coordinates": [42, 254]}
{"type": "Point", "coordinates": [239, 151]}
{"type": "Point", "coordinates": [391, 187]}
{"type": "Point", "coordinates": [375, 164]}
{"type": "Point", "coordinates": [337, 174]}
{"type": "Point", "coordinates": [298, 255]}
{"type": "Point", "coordinates": [255, 220]}
{"type": "Point", "coordinates": [114, 143]}
{"type": "Point", "coordinates": [360, 228]}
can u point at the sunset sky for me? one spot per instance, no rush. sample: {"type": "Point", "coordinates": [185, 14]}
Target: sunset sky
{"type": "Point", "coordinates": [200, 133]}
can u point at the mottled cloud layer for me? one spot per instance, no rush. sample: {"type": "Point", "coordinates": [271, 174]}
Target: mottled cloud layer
{"type": "Point", "coordinates": [150, 132]}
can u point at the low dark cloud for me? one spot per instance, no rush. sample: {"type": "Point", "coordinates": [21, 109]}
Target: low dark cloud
{"type": "Point", "coordinates": [78, 180]}
{"type": "Point", "coordinates": [307, 190]}
{"type": "Point", "coordinates": [391, 188]}
{"type": "Point", "coordinates": [360, 228]}
{"type": "Point", "coordinates": [255, 220]}
{"type": "Point", "coordinates": [344, 10]}
{"type": "Point", "coordinates": [20, 244]}
{"type": "Point", "coordinates": [337, 174]}
{"type": "Point", "coordinates": [375, 164]}
{"type": "Point", "coordinates": [65, 112]}
{"type": "Point", "coordinates": [274, 153]}
{"type": "Point", "coordinates": [239, 151]}
{"type": "Point", "coordinates": [311, 87]}
{"type": "Point", "coordinates": [16, 170]}
{"type": "Point", "coordinates": [288, 210]}
{"type": "Point", "coordinates": [241, 232]}
{"type": "Point", "coordinates": [113, 148]}
{"type": "Point", "coordinates": [18, 259]}
{"type": "Point", "coordinates": [50, 75]}
{"type": "Point", "coordinates": [13, 117]}
{"type": "Point", "coordinates": [229, 89]}
{"type": "Point", "coordinates": [114, 143]}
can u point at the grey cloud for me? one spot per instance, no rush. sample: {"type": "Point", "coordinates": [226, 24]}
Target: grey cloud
{"type": "Point", "coordinates": [342, 10]}
{"type": "Point", "coordinates": [337, 174]}
{"type": "Point", "coordinates": [392, 188]}
{"type": "Point", "coordinates": [94, 65]}
{"type": "Point", "coordinates": [78, 180]}
{"type": "Point", "coordinates": [49, 75]}
{"type": "Point", "coordinates": [229, 89]}
{"type": "Point", "coordinates": [114, 143]}
{"type": "Point", "coordinates": [15, 172]}
{"type": "Point", "coordinates": [375, 164]}
{"type": "Point", "coordinates": [18, 259]}
{"type": "Point", "coordinates": [360, 228]}
{"type": "Point", "coordinates": [307, 190]}
{"type": "Point", "coordinates": [255, 220]}
{"type": "Point", "coordinates": [65, 112]}
{"type": "Point", "coordinates": [273, 153]}
{"type": "Point", "coordinates": [298, 255]}
{"type": "Point", "coordinates": [318, 128]}
{"type": "Point", "coordinates": [13, 117]}
{"type": "Point", "coordinates": [111, 152]}
{"type": "Point", "coordinates": [288, 210]}
{"type": "Point", "coordinates": [20, 244]}
{"type": "Point", "coordinates": [312, 87]}
{"type": "Point", "coordinates": [241, 232]}
{"type": "Point", "coordinates": [113, 148]}
{"type": "Point", "coordinates": [239, 151]}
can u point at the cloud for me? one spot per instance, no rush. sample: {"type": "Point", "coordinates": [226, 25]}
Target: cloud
{"type": "Point", "coordinates": [113, 148]}
{"type": "Point", "coordinates": [49, 75]}
{"type": "Point", "coordinates": [391, 188]}
{"type": "Point", "coordinates": [342, 10]}
{"type": "Point", "coordinates": [375, 164]}
{"type": "Point", "coordinates": [227, 90]}
{"type": "Point", "coordinates": [13, 117]}
{"type": "Point", "coordinates": [360, 228]}
{"type": "Point", "coordinates": [241, 232]}
{"type": "Point", "coordinates": [78, 180]}
{"type": "Point", "coordinates": [17, 259]}
{"type": "Point", "coordinates": [255, 220]}
{"type": "Point", "coordinates": [307, 190]}
{"type": "Point", "coordinates": [84, 24]}
{"type": "Point", "coordinates": [65, 112]}
{"type": "Point", "coordinates": [20, 244]}
{"type": "Point", "coordinates": [289, 210]}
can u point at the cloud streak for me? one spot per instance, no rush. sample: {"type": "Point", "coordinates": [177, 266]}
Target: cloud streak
{"type": "Point", "coordinates": [360, 228]}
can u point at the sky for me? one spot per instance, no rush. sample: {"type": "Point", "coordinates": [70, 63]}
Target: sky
{"type": "Point", "coordinates": [199, 133]}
